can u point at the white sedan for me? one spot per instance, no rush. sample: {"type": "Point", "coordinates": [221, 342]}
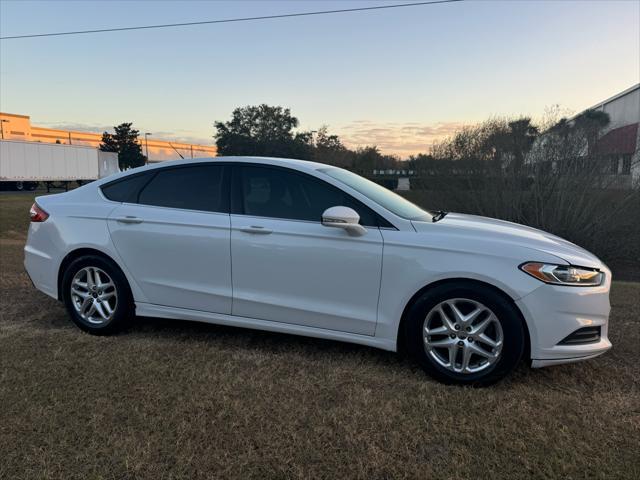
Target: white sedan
{"type": "Point", "coordinates": [304, 248]}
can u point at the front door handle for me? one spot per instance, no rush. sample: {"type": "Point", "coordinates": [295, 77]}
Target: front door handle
{"type": "Point", "coordinates": [129, 219]}
{"type": "Point", "coordinates": [256, 229]}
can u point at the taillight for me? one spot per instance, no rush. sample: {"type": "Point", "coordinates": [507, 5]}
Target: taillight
{"type": "Point", "coordinates": [37, 214]}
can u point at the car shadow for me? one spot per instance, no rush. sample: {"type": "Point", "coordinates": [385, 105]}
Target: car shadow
{"type": "Point", "coordinates": [171, 328]}
{"type": "Point", "coordinates": [276, 342]}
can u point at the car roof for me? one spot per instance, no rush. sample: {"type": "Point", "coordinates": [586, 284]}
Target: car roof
{"type": "Point", "coordinates": [290, 162]}
{"type": "Point", "coordinates": [293, 163]}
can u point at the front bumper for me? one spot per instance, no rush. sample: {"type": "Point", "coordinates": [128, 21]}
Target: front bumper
{"type": "Point", "coordinates": [553, 312]}
{"type": "Point", "coordinates": [560, 361]}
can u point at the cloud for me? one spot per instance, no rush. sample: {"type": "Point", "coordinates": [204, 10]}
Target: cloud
{"type": "Point", "coordinates": [402, 139]}
{"type": "Point", "coordinates": [183, 136]}
{"type": "Point", "coordinates": [77, 127]}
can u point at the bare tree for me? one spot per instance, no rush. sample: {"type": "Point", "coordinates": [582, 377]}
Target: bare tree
{"type": "Point", "coordinates": [550, 176]}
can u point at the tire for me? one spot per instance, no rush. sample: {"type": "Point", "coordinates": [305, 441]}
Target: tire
{"type": "Point", "coordinates": [496, 338]}
{"type": "Point", "coordinates": [19, 186]}
{"type": "Point", "coordinates": [109, 308]}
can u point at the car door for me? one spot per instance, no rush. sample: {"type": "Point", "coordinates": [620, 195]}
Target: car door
{"type": "Point", "coordinates": [174, 237]}
{"type": "Point", "coordinates": [287, 266]}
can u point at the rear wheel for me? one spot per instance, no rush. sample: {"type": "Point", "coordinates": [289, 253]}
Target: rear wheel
{"type": "Point", "coordinates": [465, 333]}
{"type": "Point", "coordinates": [97, 295]}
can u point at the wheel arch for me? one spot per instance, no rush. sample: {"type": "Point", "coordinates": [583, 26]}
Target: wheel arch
{"type": "Point", "coordinates": [83, 252]}
{"type": "Point", "coordinates": [400, 339]}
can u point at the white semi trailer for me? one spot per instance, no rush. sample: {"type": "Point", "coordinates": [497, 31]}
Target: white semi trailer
{"type": "Point", "coordinates": [23, 165]}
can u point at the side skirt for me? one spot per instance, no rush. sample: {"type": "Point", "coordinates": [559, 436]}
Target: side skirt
{"type": "Point", "coordinates": [161, 311]}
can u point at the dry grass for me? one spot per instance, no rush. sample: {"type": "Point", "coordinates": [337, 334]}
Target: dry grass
{"type": "Point", "coordinates": [183, 400]}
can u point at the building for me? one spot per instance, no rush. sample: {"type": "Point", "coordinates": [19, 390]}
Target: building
{"type": "Point", "coordinates": [620, 140]}
{"type": "Point", "coordinates": [19, 127]}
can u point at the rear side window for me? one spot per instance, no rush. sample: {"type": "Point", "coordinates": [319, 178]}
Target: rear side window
{"type": "Point", "coordinates": [192, 188]}
{"type": "Point", "coordinates": [127, 189]}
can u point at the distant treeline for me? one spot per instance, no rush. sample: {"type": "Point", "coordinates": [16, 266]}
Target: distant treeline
{"type": "Point", "coordinates": [268, 131]}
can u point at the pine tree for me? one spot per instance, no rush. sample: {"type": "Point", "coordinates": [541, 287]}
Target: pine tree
{"type": "Point", "coordinates": [125, 143]}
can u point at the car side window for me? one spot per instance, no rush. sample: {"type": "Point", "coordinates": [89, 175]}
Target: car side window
{"type": "Point", "coordinates": [197, 187]}
{"type": "Point", "coordinates": [126, 189]}
{"type": "Point", "coordinates": [278, 193]}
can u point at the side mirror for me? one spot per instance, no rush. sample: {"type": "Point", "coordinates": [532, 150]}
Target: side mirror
{"type": "Point", "coordinates": [343, 217]}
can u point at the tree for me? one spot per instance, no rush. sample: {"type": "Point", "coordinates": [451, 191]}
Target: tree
{"type": "Point", "coordinates": [591, 123]}
{"type": "Point", "coordinates": [512, 141]}
{"type": "Point", "coordinates": [263, 130]}
{"type": "Point", "coordinates": [369, 158]}
{"type": "Point", "coordinates": [125, 143]}
{"type": "Point", "coordinates": [427, 164]}
{"type": "Point", "coordinates": [330, 150]}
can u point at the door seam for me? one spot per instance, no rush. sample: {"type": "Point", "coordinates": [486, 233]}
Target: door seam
{"type": "Point", "coordinates": [231, 262]}
{"type": "Point", "coordinates": [375, 329]}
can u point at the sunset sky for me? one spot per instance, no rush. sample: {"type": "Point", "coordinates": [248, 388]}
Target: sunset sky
{"type": "Point", "coordinates": [395, 78]}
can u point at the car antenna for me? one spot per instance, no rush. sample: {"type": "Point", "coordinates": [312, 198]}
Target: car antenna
{"type": "Point", "coordinates": [176, 151]}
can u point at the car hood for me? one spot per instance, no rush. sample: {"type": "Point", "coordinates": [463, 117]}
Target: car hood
{"type": "Point", "coordinates": [508, 233]}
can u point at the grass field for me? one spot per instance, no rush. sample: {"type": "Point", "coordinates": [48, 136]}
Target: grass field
{"type": "Point", "coordinates": [182, 400]}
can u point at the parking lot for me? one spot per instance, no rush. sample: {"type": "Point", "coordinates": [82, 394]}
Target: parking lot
{"type": "Point", "coordinates": [172, 399]}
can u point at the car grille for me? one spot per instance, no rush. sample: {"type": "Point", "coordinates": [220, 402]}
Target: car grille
{"type": "Point", "coordinates": [582, 336]}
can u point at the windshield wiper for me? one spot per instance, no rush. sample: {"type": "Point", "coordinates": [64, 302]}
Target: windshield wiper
{"type": "Point", "coordinates": [439, 215]}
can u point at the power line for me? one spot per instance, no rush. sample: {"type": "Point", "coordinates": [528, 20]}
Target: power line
{"type": "Point", "coordinates": [230, 20]}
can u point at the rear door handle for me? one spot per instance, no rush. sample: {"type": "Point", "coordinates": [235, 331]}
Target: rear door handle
{"type": "Point", "coordinates": [256, 229]}
{"type": "Point", "coordinates": [129, 219]}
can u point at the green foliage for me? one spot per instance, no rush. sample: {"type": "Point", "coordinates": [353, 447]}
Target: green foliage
{"type": "Point", "coordinates": [330, 150]}
{"type": "Point", "coordinates": [263, 131]}
{"type": "Point", "coordinates": [125, 143]}
{"type": "Point", "coordinates": [367, 159]}
{"type": "Point", "coordinates": [592, 119]}
{"type": "Point", "coordinates": [590, 123]}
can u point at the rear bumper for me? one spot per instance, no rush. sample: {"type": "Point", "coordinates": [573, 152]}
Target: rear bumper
{"type": "Point", "coordinates": [41, 267]}
{"type": "Point", "coordinates": [554, 312]}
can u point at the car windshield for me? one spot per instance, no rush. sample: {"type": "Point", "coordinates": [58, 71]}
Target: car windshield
{"type": "Point", "coordinates": [380, 195]}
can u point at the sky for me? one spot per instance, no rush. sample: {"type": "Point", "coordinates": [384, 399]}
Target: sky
{"type": "Point", "coordinates": [398, 78]}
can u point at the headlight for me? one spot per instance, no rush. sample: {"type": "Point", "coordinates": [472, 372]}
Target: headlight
{"type": "Point", "coordinates": [563, 274]}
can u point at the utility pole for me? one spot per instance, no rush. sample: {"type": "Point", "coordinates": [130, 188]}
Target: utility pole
{"type": "Point", "coordinates": [2, 122]}
{"type": "Point", "coordinates": [146, 144]}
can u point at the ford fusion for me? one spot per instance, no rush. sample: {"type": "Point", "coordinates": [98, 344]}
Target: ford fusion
{"type": "Point", "coordinates": [309, 249]}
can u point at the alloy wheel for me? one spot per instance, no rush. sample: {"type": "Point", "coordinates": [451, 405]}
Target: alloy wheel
{"type": "Point", "coordinates": [463, 336]}
{"type": "Point", "coordinates": [94, 295]}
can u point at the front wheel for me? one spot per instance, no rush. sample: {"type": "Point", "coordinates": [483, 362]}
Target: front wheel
{"type": "Point", "coordinates": [97, 295]}
{"type": "Point", "coordinates": [465, 334]}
